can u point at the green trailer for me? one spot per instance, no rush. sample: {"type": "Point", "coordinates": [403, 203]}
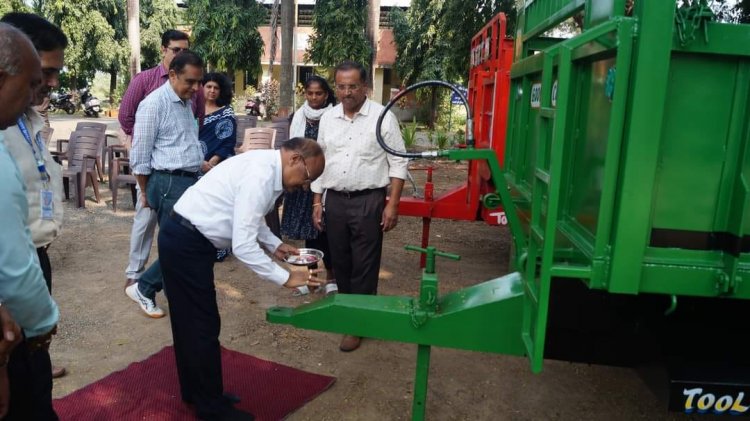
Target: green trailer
{"type": "Point", "coordinates": [626, 185]}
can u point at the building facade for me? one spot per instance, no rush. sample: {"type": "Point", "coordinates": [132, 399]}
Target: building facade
{"type": "Point", "coordinates": [385, 80]}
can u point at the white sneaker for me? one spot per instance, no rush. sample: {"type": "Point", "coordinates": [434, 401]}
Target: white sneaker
{"type": "Point", "coordinates": [147, 305]}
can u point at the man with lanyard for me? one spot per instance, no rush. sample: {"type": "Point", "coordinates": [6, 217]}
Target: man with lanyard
{"type": "Point", "coordinates": [166, 157]}
{"type": "Point", "coordinates": [41, 175]}
{"type": "Point", "coordinates": [142, 234]}
{"type": "Point", "coordinates": [26, 376]}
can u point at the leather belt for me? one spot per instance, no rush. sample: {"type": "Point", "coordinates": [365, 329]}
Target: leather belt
{"type": "Point", "coordinates": [182, 221]}
{"type": "Point", "coordinates": [179, 173]}
{"type": "Point", "coordinates": [356, 193]}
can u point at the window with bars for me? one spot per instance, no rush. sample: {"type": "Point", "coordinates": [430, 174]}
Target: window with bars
{"type": "Point", "coordinates": [305, 14]}
{"type": "Point", "coordinates": [267, 22]}
{"type": "Point", "coordinates": [385, 16]}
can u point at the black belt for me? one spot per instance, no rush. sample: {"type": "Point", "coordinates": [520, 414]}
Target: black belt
{"type": "Point", "coordinates": [179, 173]}
{"type": "Point", "coordinates": [182, 221]}
{"type": "Point", "coordinates": [350, 194]}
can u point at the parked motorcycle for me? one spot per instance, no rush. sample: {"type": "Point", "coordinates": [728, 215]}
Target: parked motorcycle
{"type": "Point", "coordinates": [61, 101]}
{"type": "Point", "coordinates": [91, 104]}
{"type": "Point", "coordinates": [252, 106]}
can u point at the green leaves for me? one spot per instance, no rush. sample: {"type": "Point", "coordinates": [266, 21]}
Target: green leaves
{"type": "Point", "coordinates": [433, 37]}
{"type": "Point", "coordinates": [339, 33]}
{"type": "Point", "coordinates": [225, 32]}
{"type": "Point", "coordinates": [93, 44]}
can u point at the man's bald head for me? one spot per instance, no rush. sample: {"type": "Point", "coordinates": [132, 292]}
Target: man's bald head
{"type": "Point", "coordinates": [20, 74]}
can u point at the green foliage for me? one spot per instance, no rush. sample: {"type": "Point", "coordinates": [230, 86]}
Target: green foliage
{"type": "Point", "coordinates": [339, 33]}
{"type": "Point", "coordinates": [409, 133]}
{"type": "Point", "coordinates": [13, 6]}
{"type": "Point", "coordinates": [433, 39]}
{"type": "Point", "coordinates": [92, 43]}
{"type": "Point", "coordinates": [441, 139]}
{"type": "Point", "coordinates": [225, 33]}
{"type": "Point", "coordinates": [156, 17]}
{"type": "Point", "coordinates": [269, 95]}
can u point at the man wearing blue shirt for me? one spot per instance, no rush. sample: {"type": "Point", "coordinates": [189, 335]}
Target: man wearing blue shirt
{"type": "Point", "coordinates": [26, 377]}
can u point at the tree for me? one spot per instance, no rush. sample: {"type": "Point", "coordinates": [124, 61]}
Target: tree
{"type": "Point", "coordinates": [134, 36]}
{"type": "Point", "coordinates": [225, 33]}
{"type": "Point", "coordinates": [286, 100]}
{"type": "Point", "coordinates": [433, 40]}
{"type": "Point", "coordinates": [156, 16]}
{"type": "Point", "coordinates": [13, 6]}
{"type": "Point", "coordinates": [371, 32]}
{"type": "Point", "coordinates": [92, 45]}
{"type": "Point", "coordinates": [115, 14]}
{"type": "Point", "coordinates": [339, 33]}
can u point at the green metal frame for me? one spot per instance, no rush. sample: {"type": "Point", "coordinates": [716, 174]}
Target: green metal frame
{"type": "Point", "coordinates": [537, 188]}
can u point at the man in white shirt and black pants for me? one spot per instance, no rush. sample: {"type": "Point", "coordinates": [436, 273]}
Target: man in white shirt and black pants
{"type": "Point", "coordinates": [226, 208]}
{"type": "Point", "coordinates": [357, 173]}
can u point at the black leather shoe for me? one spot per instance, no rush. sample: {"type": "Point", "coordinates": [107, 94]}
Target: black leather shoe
{"type": "Point", "coordinates": [231, 398]}
{"type": "Point", "coordinates": [234, 414]}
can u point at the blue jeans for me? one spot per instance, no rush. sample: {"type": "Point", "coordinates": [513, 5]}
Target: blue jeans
{"type": "Point", "coordinates": [162, 191]}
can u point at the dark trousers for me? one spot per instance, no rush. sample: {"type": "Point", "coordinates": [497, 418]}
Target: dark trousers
{"type": "Point", "coordinates": [187, 262]}
{"type": "Point", "coordinates": [355, 239]}
{"type": "Point", "coordinates": [30, 378]}
{"type": "Point", "coordinates": [46, 266]}
{"type": "Point", "coordinates": [162, 191]}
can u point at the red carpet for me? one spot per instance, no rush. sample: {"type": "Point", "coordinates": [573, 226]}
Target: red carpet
{"type": "Point", "coordinates": [148, 390]}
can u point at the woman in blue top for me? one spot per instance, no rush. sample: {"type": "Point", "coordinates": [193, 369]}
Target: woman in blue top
{"type": "Point", "coordinates": [218, 133]}
{"type": "Point", "coordinates": [296, 222]}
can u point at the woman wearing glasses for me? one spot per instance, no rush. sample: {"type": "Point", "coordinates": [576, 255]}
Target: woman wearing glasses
{"type": "Point", "coordinates": [296, 222]}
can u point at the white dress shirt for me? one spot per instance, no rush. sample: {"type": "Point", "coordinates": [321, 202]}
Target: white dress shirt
{"type": "Point", "coordinates": [228, 206]}
{"type": "Point", "coordinates": [43, 231]}
{"type": "Point", "coordinates": [165, 135]}
{"type": "Point", "coordinates": [354, 159]}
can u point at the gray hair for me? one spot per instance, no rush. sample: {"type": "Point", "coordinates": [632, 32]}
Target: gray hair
{"type": "Point", "coordinates": [10, 41]}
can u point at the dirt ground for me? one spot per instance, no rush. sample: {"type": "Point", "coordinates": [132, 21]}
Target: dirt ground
{"type": "Point", "coordinates": [101, 330]}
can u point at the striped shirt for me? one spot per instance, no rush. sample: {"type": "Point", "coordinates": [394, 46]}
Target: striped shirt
{"type": "Point", "coordinates": [354, 159]}
{"type": "Point", "coordinates": [140, 87]}
{"type": "Point", "coordinates": [165, 136]}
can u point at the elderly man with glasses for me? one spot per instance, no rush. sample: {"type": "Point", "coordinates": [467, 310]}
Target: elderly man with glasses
{"type": "Point", "coordinates": [357, 175]}
{"type": "Point", "coordinates": [226, 208]}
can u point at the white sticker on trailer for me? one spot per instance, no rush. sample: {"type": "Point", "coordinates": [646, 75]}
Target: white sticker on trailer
{"type": "Point", "coordinates": [536, 95]}
{"type": "Point", "coordinates": [554, 94]}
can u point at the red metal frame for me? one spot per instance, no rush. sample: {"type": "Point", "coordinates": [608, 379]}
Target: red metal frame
{"type": "Point", "coordinates": [489, 85]}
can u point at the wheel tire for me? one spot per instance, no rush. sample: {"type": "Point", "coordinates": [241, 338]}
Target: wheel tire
{"type": "Point", "coordinates": [70, 109]}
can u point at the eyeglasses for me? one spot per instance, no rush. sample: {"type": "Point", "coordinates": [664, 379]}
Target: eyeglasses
{"type": "Point", "coordinates": [176, 50]}
{"type": "Point", "coordinates": [347, 88]}
{"type": "Point", "coordinates": [307, 179]}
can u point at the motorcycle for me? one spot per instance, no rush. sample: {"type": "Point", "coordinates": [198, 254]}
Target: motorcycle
{"type": "Point", "coordinates": [91, 104]}
{"type": "Point", "coordinates": [252, 106]}
{"type": "Point", "coordinates": [61, 101]}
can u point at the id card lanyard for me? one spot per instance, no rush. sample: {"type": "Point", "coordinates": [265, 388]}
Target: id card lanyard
{"type": "Point", "coordinates": [45, 194]}
{"type": "Point", "coordinates": [38, 155]}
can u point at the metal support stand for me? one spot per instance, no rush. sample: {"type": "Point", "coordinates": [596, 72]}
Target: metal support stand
{"type": "Point", "coordinates": [420, 383]}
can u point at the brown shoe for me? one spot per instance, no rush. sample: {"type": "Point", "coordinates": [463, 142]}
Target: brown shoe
{"type": "Point", "coordinates": [350, 343]}
{"type": "Point", "coordinates": [130, 282]}
{"type": "Point", "coordinates": [58, 372]}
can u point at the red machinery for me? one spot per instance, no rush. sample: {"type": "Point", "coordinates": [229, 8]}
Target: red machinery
{"type": "Point", "coordinates": [489, 84]}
